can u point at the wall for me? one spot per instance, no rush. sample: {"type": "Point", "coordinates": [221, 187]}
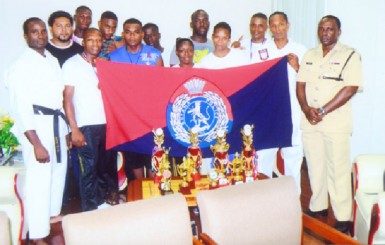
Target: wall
{"type": "Point", "coordinates": [172, 17]}
{"type": "Point", "coordinates": [364, 30]}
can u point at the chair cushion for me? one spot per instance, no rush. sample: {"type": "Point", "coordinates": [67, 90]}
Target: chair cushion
{"type": "Point", "coordinates": [262, 212]}
{"type": "Point", "coordinates": [163, 220]}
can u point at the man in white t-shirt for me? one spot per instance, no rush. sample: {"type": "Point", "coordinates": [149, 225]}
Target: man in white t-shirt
{"type": "Point", "coordinates": [255, 46]}
{"type": "Point", "coordinates": [84, 109]}
{"type": "Point", "coordinates": [280, 46]}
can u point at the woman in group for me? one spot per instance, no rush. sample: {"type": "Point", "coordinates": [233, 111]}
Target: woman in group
{"type": "Point", "coordinates": [185, 52]}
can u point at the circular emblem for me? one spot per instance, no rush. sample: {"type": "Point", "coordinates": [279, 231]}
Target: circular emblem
{"type": "Point", "coordinates": [201, 106]}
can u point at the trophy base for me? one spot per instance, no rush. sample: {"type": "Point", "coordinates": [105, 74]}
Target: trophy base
{"type": "Point", "coordinates": [249, 179]}
{"type": "Point", "coordinates": [236, 182]}
{"type": "Point", "coordinates": [166, 192]}
{"type": "Point", "coordinates": [196, 177]}
{"type": "Point", "coordinates": [223, 182]}
{"type": "Point", "coordinates": [184, 190]}
{"type": "Point", "coordinates": [191, 184]}
{"type": "Point", "coordinates": [212, 187]}
{"type": "Point", "coordinates": [157, 179]}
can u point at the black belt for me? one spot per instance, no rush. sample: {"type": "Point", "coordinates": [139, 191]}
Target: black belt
{"type": "Point", "coordinates": [41, 110]}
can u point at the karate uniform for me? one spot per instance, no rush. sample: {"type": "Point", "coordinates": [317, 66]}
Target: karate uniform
{"type": "Point", "coordinates": [36, 80]}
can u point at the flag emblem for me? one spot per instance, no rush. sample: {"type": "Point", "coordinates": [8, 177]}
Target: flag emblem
{"type": "Point", "coordinates": [200, 105]}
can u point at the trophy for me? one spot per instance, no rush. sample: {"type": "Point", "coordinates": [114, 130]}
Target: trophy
{"type": "Point", "coordinates": [213, 178]}
{"type": "Point", "coordinates": [221, 158]}
{"type": "Point", "coordinates": [249, 156]}
{"type": "Point", "coordinates": [195, 154]}
{"type": "Point", "coordinates": [157, 154]}
{"type": "Point", "coordinates": [165, 183]}
{"type": "Point", "coordinates": [183, 170]}
{"type": "Point", "coordinates": [237, 169]}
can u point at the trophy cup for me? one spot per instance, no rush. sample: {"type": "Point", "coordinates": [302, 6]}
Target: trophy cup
{"type": "Point", "coordinates": [195, 154]}
{"type": "Point", "coordinates": [237, 169]}
{"type": "Point", "coordinates": [184, 172]}
{"type": "Point", "coordinates": [249, 156]}
{"type": "Point", "coordinates": [157, 154]}
{"type": "Point", "coordinates": [213, 178]}
{"type": "Point", "coordinates": [165, 183]}
{"type": "Point", "coordinates": [221, 158]}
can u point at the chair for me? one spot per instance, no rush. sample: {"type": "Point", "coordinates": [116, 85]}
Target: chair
{"type": "Point", "coordinates": [369, 195]}
{"type": "Point", "coordinates": [163, 220]}
{"type": "Point", "coordinates": [10, 202]}
{"type": "Point", "coordinates": [262, 212]}
{"type": "Point", "coordinates": [5, 236]}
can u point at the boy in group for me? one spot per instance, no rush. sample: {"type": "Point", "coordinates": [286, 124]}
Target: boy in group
{"type": "Point", "coordinates": [36, 94]}
{"type": "Point", "coordinates": [223, 56]}
{"type": "Point", "coordinates": [280, 46]}
{"type": "Point", "coordinates": [136, 53]}
{"type": "Point", "coordinates": [83, 105]}
{"type": "Point", "coordinates": [61, 45]}
{"type": "Point", "coordinates": [152, 37]}
{"type": "Point", "coordinates": [83, 20]}
{"type": "Point", "coordinates": [200, 25]}
{"type": "Point", "coordinates": [107, 26]}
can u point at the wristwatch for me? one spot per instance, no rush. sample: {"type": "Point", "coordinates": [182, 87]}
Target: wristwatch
{"type": "Point", "coordinates": [322, 111]}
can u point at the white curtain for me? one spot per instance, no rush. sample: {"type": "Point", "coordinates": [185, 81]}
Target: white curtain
{"type": "Point", "coordinates": [304, 16]}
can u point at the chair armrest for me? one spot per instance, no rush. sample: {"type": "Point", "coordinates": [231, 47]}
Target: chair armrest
{"type": "Point", "coordinates": [326, 232]}
{"type": "Point", "coordinates": [206, 239]}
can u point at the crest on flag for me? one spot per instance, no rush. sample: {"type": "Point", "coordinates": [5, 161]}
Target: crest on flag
{"type": "Point", "coordinates": [199, 105]}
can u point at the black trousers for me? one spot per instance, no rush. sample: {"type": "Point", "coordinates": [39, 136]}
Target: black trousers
{"type": "Point", "coordinates": [97, 166]}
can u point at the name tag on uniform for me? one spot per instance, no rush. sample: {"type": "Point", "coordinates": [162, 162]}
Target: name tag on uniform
{"type": "Point", "coordinates": [334, 63]}
{"type": "Point", "coordinates": [309, 63]}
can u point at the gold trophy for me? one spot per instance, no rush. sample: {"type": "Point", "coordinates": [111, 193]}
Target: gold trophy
{"type": "Point", "coordinates": [195, 154]}
{"type": "Point", "coordinates": [158, 153]}
{"type": "Point", "coordinates": [238, 168]}
{"type": "Point", "coordinates": [249, 156]}
{"type": "Point", "coordinates": [221, 158]}
{"type": "Point", "coordinates": [183, 170]}
{"type": "Point", "coordinates": [165, 183]}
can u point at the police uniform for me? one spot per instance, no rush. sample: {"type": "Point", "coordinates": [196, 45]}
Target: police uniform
{"type": "Point", "coordinates": [327, 144]}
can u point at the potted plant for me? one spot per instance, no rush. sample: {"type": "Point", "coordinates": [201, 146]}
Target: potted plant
{"type": "Point", "coordinates": [8, 141]}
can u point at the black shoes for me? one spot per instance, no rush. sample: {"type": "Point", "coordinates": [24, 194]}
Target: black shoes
{"type": "Point", "coordinates": [317, 214]}
{"type": "Point", "coordinates": [342, 226]}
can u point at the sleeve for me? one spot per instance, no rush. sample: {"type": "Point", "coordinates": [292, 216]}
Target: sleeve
{"type": "Point", "coordinates": [303, 73]}
{"type": "Point", "coordinates": [20, 98]}
{"type": "Point", "coordinates": [352, 74]}
{"type": "Point", "coordinates": [68, 72]}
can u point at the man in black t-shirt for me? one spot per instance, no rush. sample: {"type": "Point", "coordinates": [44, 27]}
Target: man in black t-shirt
{"type": "Point", "coordinates": [61, 45]}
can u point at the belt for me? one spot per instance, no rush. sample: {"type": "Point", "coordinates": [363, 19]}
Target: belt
{"type": "Point", "coordinates": [41, 110]}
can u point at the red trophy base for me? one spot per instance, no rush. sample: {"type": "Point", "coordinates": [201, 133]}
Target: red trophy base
{"type": "Point", "coordinates": [184, 190]}
{"type": "Point", "coordinates": [157, 179]}
{"type": "Point", "coordinates": [196, 176]}
{"type": "Point", "coordinates": [191, 184]}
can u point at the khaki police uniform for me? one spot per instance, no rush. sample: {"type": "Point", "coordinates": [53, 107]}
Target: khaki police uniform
{"type": "Point", "coordinates": [327, 144]}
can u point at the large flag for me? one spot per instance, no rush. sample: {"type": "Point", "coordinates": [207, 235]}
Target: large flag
{"type": "Point", "coordinates": [139, 99]}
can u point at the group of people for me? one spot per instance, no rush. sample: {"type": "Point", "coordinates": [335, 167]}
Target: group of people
{"type": "Point", "coordinates": [53, 86]}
